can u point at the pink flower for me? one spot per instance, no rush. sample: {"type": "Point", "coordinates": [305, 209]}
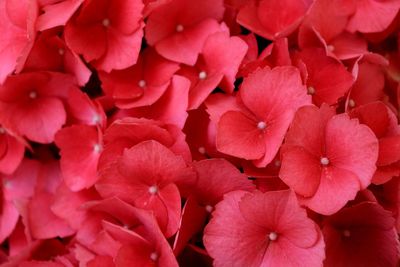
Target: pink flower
{"type": "Point", "coordinates": [361, 235]}
{"type": "Point", "coordinates": [142, 84]}
{"type": "Point", "coordinates": [257, 229]}
{"type": "Point", "coordinates": [178, 29]}
{"type": "Point", "coordinates": [327, 80]}
{"type": "Point", "coordinates": [327, 158]}
{"type": "Point", "coordinates": [31, 104]}
{"type": "Point", "coordinates": [254, 128]}
{"type": "Point", "coordinates": [107, 34]}
{"type": "Point", "coordinates": [149, 176]}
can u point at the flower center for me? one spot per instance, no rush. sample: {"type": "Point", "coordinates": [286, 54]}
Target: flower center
{"type": "Point", "coordinates": [153, 189]}
{"type": "Point", "coordinates": [202, 75]}
{"type": "Point", "coordinates": [324, 161]}
{"type": "Point", "coordinates": [311, 90]}
{"type": "Point", "coordinates": [2, 130]}
{"type": "Point", "coordinates": [331, 48]}
{"type": "Point", "coordinates": [277, 163]}
{"type": "Point", "coordinates": [96, 118]}
{"type": "Point", "coordinates": [154, 256]}
{"type": "Point", "coordinates": [202, 150]}
{"type": "Point", "coordinates": [346, 233]}
{"type": "Point", "coordinates": [33, 94]}
{"type": "Point", "coordinates": [273, 236]}
{"type": "Point", "coordinates": [97, 148]}
{"type": "Point", "coordinates": [179, 28]}
{"type": "Point", "coordinates": [142, 83]}
{"type": "Point", "coordinates": [61, 51]}
{"type": "Point", "coordinates": [106, 22]}
{"type": "Point", "coordinates": [352, 104]}
{"type": "Point", "coordinates": [261, 125]}
{"type": "Point", "coordinates": [209, 208]}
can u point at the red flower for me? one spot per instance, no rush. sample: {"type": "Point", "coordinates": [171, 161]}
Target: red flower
{"type": "Point", "coordinates": [369, 83]}
{"type": "Point", "coordinates": [31, 104]}
{"type": "Point", "coordinates": [217, 65]}
{"type": "Point", "coordinates": [178, 29]}
{"type": "Point", "coordinates": [362, 235]}
{"type": "Point", "coordinates": [327, 158]}
{"type": "Point", "coordinates": [50, 53]}
{"type": "Point", "coordinates": [142, 84]}
{"type": "Point", "coordinates": [148, 176]}
{"type": "Point", "coordinates": [255, 129]}
{"type": "Point", "coordinates": [107, 34]}
{"type": "Point", "coordinates": [126, 133]}
{"type": "Point", "coordinates": [140, 240]}
{"type": "Point", "coordinates": [210, 188]}
{"type": "Point", "coordinates": [327, 80]}
{"type": "Point", "coordinates": [263, 229]}
{"type": "Point", "coordinates": [383, 123]}
{"type": "Point", "coordinates": [170, 108]}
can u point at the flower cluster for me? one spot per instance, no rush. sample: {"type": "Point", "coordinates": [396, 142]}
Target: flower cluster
{"type": "Point", "coordinates": [199, 133]}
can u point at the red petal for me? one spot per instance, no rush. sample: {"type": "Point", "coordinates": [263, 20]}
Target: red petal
{"type": "Point", "coordinates": [45, 224]}
{"type": "Point", "coordinates": [80, 150]}
{"type": "Point", "coordinates": [238, 135]}
{"type": "Point", "coordinates": [352, 146]}
{"type": "Point", "coordinates": [300, 170]}
{"type": "Point", "coordinates": [372, 15]}
{"type": "Point", "coordinates": [336, 188]}
{"type": "Point", "coordinates": [57, 14]}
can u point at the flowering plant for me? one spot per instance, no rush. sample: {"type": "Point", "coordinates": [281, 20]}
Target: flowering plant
{"type": "Point", "coordinates": [199, 133]}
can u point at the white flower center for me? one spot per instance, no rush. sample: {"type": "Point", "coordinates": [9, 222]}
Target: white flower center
{"type": "Point", "coordinates": [202, 75]}
{"type": "Point", "coordinates": [209, 208]}
{"type": "Point", "coordinates": [311, 90]}
{"type": "Point", "coordinates": [261, 125]}
{"type": "Point", "coordinates": [153, 189]}
{"type": "Point", "coordinates": [96, 118]}
{"type": "Point", "coordinates": [33, 94]}
{"type": "Point", "coordinates": [346, 233]}
{"type": "Point", "coordinates": [273, 236]}
{"type": "Point", "coordinates": [142, 83]}
{"type": "Point", "coordinates": [106, 22]}
{"type": "Point", "coordinates": [202, 150]}
{"type": "Point", "coordinates": [97, 148]}
{"type": "Point", "coordinates": [352, 104]}
{"type": "Point", "coordinates": [179, 28]}
{"type": "Point", "coordinates": [277, 163]}
{"type": "Point", "coordinates": [154, 256]}
{"type": "Point", "coordinates": [2, 130]}
{"type": "Point", "coordinates": [61, 51]}
{"type": "Point", "coordinates": [324, 161]}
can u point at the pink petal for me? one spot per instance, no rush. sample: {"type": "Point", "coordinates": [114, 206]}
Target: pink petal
{"type": "Point", "coordinates": [80, 150]}
{"type": "Point", "coordinates": [372, 15]}
{"type": "Point", "coordinates": [336, 188]}
{"type": "Point", "coordinates": [300, 170]}
{"type": "Point", "coordinates": [352, 146]}
{"type": "Point", "coordinates": [238, 135]}
{"type": "Point", "coordinates": [57, 14]}
{"type": "Point", "coordinates": [45, 224]}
